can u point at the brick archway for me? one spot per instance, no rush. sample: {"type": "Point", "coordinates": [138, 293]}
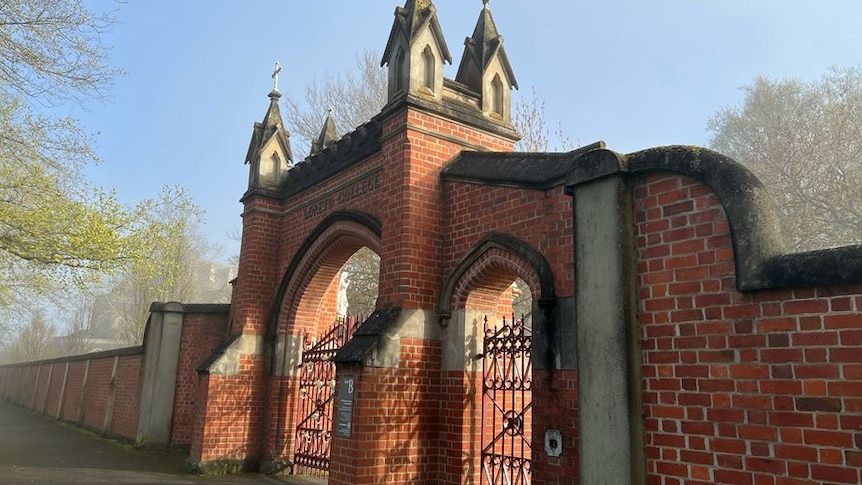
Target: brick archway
{"type": "Point", "coordinates": [305, 304]}
{"type": "Point", "coordinates": [477, 288]}
{"type": "Point", "coordinates": [318, 260]}
{"type": "Point", "coordinates": [492, 260]}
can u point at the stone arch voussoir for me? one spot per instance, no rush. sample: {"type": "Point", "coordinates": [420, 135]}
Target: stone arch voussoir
{"type": "Point", "coordinates": [494, 262]}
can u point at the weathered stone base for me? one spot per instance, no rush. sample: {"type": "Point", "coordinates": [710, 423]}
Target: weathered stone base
{"type": "Point", "coordinates": [275, 467]}
{"type": "Point", "coordinates": [221, 467]}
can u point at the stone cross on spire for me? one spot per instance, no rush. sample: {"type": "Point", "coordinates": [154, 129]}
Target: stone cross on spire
{"type": "Point", "coordinates": [486, 3]}
{"type": "Point", "coordinates": [275, 76]}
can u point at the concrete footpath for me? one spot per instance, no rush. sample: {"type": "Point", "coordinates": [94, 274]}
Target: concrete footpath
{"type": "Point", "coordinates": [38, 450]}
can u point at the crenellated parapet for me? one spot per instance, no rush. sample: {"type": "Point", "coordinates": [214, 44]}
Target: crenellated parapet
{"type": "Point", "coordinates": [336, 156]}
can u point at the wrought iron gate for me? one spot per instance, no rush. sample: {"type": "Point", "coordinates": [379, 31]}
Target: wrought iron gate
{"type": "Point", "coordinates": [507, 404]}
{"type": "Point", "coordinates": [316, 393]}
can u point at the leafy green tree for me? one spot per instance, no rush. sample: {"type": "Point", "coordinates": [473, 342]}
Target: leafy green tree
{"type": "Point", "coordinates": [177, 266]}
{"type": "Point", "coordinates": [804, 141]}
{"type": "Point", "coordinates": [54, 230]}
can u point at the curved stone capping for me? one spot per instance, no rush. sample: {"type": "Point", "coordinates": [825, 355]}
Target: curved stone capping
{"type": "Point", "coordinates": [105, 354]}
{"type": "Point", "coordinates": [506, 243]}
{"type": "Point", "coordinates": [360, 218]}
{"type": "Point", "coordinates": [762, 260]}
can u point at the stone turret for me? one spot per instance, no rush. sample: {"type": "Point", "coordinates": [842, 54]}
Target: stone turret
{"type": "Point", "coordinates": [328, 135]}
{"type": "Point", "coordinates": [269, 155]}
{"type": "Point", "coordinates": [485, 68]}
{"type": "Point", "coordinates": [415, 52]}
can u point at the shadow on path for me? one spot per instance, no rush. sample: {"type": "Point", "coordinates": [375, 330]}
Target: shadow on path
{"type": "Point", "coordinates": [38, 450]}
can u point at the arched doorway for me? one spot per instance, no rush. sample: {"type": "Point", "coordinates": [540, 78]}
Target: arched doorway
{"type": "Point", "coordinates": [490, 355]}
{"type": "Point", "coordinates": [325, 295]}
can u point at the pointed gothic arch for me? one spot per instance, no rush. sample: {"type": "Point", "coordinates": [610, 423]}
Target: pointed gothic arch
{"type": "Point", "coordinates": [398, 72]}
{"type": "Point", "coordinates": [429, 67]}
{"type": "Point", "coordinates": [497, 96]}
{"type": "Point", "coordinates": [498, 249]}
{"type": "Point", "coordinates": [343, 233]}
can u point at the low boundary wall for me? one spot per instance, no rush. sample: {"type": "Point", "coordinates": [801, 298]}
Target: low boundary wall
{"type": "Point", "coordinates": [143, 394]}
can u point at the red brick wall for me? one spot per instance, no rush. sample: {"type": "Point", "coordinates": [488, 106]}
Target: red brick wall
{"type": "Point", "coordinates": [73, 391]}
{"type": "Point", "coordinates": [396, 424]}
{"type": "Point", "coordinates": [741, 388]}
{"type": "Point", "coordinates": [55, 386]}
{"type": "Point", "coordinates": [231, 426]}
{"type": "Point", "coordinates": [555, 406]}
{"type": "Point", "coordinates": [542, 220]}
{"type": "Point", "coordinates": [98, 389]}
{"type": "Point", "coordinates": [257, 277]}
{"type": "Point", "coordinates": [19, 379]}
{"type": "Point", "coordinates": [460, 425]}
{"type": "Point", "coordinates": [202, 333]}
{"type": "Point", "coordinates": [127, 396]}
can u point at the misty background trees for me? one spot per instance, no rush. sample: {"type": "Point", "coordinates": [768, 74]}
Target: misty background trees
{"type": "Point", "coordinates": [803, 140]}
{"type": "Point", "coordinates": [64, 242]}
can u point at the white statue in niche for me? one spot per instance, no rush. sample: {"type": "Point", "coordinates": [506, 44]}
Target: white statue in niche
{"type": "Point", "coordinates": [341, 295]}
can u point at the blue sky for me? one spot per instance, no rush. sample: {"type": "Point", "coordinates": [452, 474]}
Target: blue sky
{"type": "Point", "coordinates": [631, 72]}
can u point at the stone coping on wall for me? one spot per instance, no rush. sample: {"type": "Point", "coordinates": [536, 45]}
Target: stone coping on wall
{"type": "Point", "coordinates": [762, 260]}
{"type": "Point", "coordinates": [453, 109]}
{"type": "Point", "coordinates": [175, 307]}
{"type": "Point", "coordinates": [527, 170]}
{"type": "Point", "coordinates": [105, 354]}
{"type": "Point", "coordinates": [366, 338]}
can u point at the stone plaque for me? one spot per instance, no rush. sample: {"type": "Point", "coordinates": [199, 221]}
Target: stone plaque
{"type": "Point", "coordinates": [344, 412]}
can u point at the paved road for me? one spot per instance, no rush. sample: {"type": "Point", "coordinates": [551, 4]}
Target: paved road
{"type": "Point", "coordinates": [39, 450]}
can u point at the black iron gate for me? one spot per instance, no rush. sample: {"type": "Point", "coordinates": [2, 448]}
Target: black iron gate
{"type": "Point", "coordinates": [316, 393]}
{"type": "Point", "coordinates": [507, 404]}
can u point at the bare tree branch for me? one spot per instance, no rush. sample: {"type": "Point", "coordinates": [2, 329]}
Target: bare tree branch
{"type": "Point", "coordinates": [804, 141]}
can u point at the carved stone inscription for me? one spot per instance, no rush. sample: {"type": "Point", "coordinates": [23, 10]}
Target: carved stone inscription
{"type": "Point", "coordinates": [342, 195]}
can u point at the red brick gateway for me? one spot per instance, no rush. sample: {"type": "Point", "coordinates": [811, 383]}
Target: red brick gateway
{"type": "Point", "coordinates": [673, 340]}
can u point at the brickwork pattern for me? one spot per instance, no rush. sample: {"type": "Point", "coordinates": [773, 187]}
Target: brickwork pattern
{"type": "Point", "coordinates": [73, 391]}
{"type": "Point", "coordinates": [71, 399]}
{"type": "Point", "coordinates": [739, 388]}
{"type": "Point", "coordinates": [540, 219]}
{"type": "Point", "coordinates": [201, 334]}
{"type": "Point", "coordinates": [53, 397]}
{"type": "Point", "coordinates": [555, 403]}
{"type": "Point", "coordinates": [127, 396]}
{"type": "Point", "coordinates": [395, 422]}
{"type": "Point", "coordinates": [232, 425]}
{"type": "Point", "coordinates": [97, 390]}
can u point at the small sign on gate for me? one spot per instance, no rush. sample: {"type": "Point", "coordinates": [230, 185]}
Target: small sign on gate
{"type": "Point", "coordinates": [344, 412]}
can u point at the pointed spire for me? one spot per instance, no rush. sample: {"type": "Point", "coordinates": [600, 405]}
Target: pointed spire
{"type": "Point", "coordinates": [409, 20]}
{"type": "Point", "coordinates": [272, 125]}
{"type": "Point", "coordinates": [328, 135]}
{"type": "Point", "coordinates": [271, 136]}
{"type": "Point", "coordinates": [480, 49]}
